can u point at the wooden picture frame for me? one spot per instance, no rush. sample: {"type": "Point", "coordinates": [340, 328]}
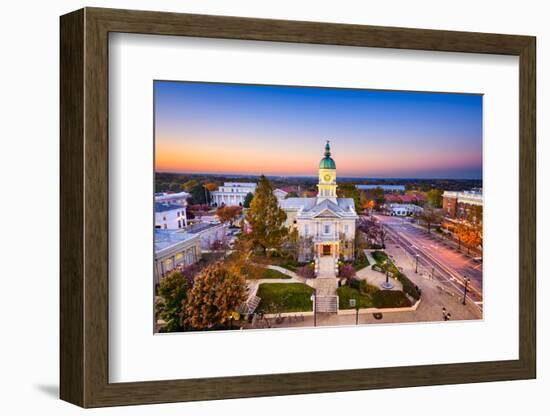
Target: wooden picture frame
{"type": "Point", "coordinates": [84, 207]}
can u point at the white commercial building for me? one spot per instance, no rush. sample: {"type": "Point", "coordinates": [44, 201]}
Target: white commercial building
{"type": "Point", "coordinates": [280, 194]}
{"type": "Point", "coordinates": [209, 233]}
{"type": "Point", "coordinates": [179, 198]}
{"type": "Point", "coordinates": [170, 216]}
{"type": "Point", "coordinates": [232, 193]}
{"type": "Point", "coordinates": [403, 210]}
{"type": "Point", "coordinates": [173, 250]}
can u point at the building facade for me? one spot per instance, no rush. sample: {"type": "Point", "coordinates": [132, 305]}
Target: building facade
{"type": "Point", "coordinates": [178, 198]}
{"type": "Point", "coordinates": [174, 250]}
{"type": "Point", "coordinates": [170, 216]}
{"type": "Point", "coordinates": [402, 210]}
{"type": "Point", "coordinates": [280, 194]}
{"type": "Point", "coordinates": [209, 233]}
{"type": "Point", "coordinates": [463, 205]}
{"type": "Point", "coordinates": [232, 193]}
{"type": "Point", "coordinates": [326, 223]}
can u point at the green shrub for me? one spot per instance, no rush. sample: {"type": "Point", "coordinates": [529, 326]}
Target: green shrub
{"type": "Point", "coordinates": [366, 288]}
{"type": "Point", "coordinates": [390, 299]}
{"type": "Point", "coordinates": [354, 283]}
{"type": "Point", "coordinates": [361, 261]}
{"type": "Point", "coordinates": [408, 286]}
{"type": "Point", "coordinates": [379, 256]}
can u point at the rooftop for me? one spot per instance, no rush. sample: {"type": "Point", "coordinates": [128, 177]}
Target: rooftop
{"type": "Point", "coordinates": [201, 226]}
{"type": "Point", "coordinates": [167, 239]}
{"type": "Point", "coordinates": [164, 206]}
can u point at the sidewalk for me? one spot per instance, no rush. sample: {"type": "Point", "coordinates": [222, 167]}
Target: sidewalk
{"type": "Point", "coordinates": [436, 294]}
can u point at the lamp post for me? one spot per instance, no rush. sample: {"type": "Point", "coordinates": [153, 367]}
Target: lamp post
{"type": "Point", "coordinates": [466, 281]}
{"type": "Point", "coordinates": [387, 285]}
{"type": "Point", "coordinates": [314, 310]}
{"type": "Point", "coordinates": [354, 304]}
{"type": "Point", "coordinates": [416, 267]}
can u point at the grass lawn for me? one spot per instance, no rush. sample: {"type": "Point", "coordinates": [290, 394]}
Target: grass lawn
{"type": "Point", "coordinates": [284, 297]}
{"type": "Point", "coordinates": [273, 274]}
{"type": "Point", "coordinates": [379, 256]}
{"type": "Point", "coordinates": [260, 272]}
{"type": "Point", "coordinates": [345, 293]}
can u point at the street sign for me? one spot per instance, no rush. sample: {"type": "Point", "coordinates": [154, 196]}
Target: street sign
{"type": "Point", "coordinates": [352, 303]}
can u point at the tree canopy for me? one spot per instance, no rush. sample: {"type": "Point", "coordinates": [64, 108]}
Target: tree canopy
{"type": "Point", "coordinates": [435, 198]}
{"type": "Point", "coordinates": [173, 292]}
{"type": "Point", "coordinates": [248, 200]}
{"type": "Point", "coordinates": [265, 218]}
{"type": "Point", "coordinates": [215, 297]}
{"type": "Point", "coordinates": [228, 214]}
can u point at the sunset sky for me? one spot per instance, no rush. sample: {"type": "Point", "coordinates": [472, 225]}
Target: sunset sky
{"type": "Point", "coordinates": [274, 130]}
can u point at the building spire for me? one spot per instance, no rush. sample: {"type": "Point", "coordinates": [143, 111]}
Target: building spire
{"type": "Point", "coordinates": [327, 149]}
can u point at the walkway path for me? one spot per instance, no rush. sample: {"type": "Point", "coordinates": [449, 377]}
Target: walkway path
{"type": "Point", "coordinates": [326, 267]}
{"type": "Point", "coordinates": [377, 278]}
{"type": "Point", "coordinates": [369, 257]}
{"type": "Point", "coordinates": [253, 284]}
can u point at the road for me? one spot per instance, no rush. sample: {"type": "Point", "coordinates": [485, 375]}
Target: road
{"type": "Point", "coordinates": [434, 253]}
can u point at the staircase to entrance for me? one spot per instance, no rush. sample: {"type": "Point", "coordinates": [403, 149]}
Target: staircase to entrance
{"type": "Point", "coordinates": [326, 304]}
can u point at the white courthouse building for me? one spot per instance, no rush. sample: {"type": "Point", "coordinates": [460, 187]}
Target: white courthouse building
{"type": "Point", "coordinates": [232, 193]}
{"type": "Point", "coordinates": [328, 222]}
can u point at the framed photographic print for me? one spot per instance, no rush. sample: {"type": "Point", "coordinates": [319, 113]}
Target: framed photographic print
{"type": "Point", "coordinates": [256, 207]}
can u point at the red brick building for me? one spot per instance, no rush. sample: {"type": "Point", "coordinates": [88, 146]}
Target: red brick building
{"type": "Point", "coordinates": [463, 205]}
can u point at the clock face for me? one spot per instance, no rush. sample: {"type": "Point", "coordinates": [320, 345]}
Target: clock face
{"type": "Point", "coordinates": [327, 178]}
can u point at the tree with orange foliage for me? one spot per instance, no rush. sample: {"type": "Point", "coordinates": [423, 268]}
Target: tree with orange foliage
{"type": "Point", "coordinates": [211, 186]}
{"type": "Point", "coordinates": [228, 214]}
{"type": "Point", "coordinates": [215, 297]}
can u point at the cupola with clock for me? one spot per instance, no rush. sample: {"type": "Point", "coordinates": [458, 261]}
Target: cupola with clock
{"type": "Point", "coordinates": [327, 177]}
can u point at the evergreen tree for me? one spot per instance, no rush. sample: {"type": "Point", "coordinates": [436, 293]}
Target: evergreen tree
{"type": "Point", "coordinates": [248, 200]}
{"type": "Point", "coordinates": [266, 219]}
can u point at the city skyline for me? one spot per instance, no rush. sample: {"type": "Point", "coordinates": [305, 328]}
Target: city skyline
{"type": "Point", "coordinates": [237, 129]}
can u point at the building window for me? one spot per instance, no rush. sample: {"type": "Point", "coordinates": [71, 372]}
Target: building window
{"type": "Point", "coordinates": [179, 223]}
{"type": "Point", "coordinates": [306, 230]}
{"type": "Point", "coordinates": [168, 265]}
{"type": "Point", "coordinates": [346, 228]}
{"type": "Point", "coordinates": [327, 229]}
{"type": "Point", "coordinates": [164, 217]}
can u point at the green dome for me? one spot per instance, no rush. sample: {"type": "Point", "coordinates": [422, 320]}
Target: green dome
{"type": "Point", "coordinates": [327, 162]}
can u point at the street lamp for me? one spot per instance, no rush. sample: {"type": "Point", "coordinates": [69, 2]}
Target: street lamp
{"type": "Point", "coordinates": [466, 281]}
{"type": "Point", "coordinates": [312, 298]}
{"type": "Point", "coordinates": [416, 268]}
{"type": "Point", "coordinates": [354, 304]}
{"type": "Point", "coordinates": [387, 284]}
